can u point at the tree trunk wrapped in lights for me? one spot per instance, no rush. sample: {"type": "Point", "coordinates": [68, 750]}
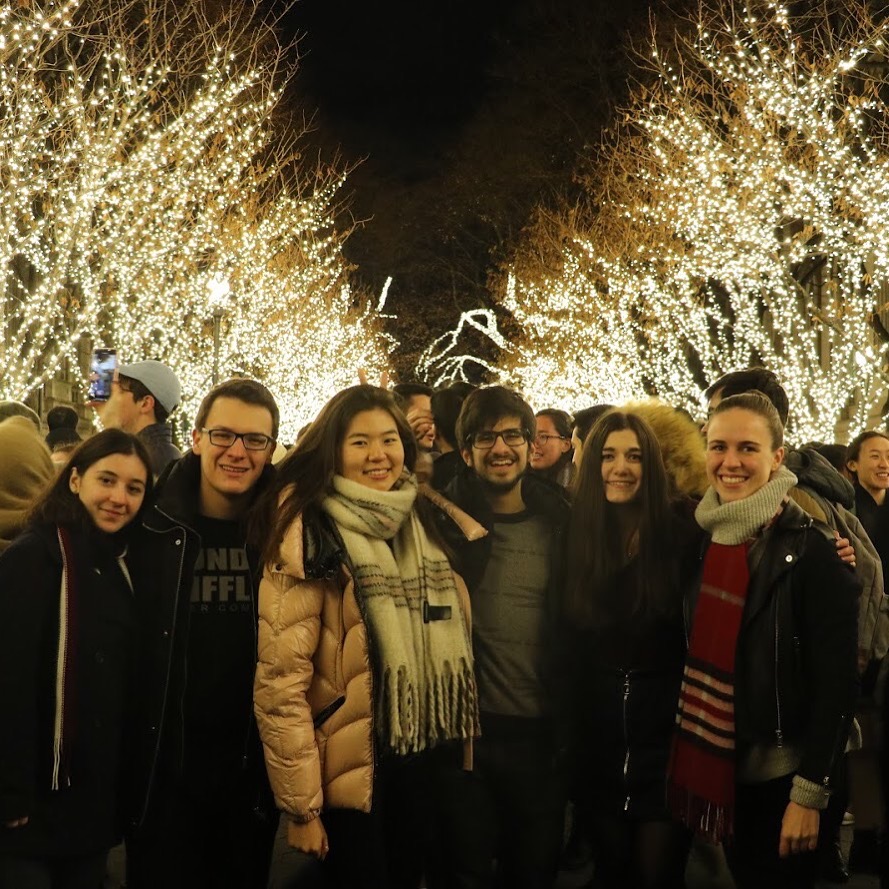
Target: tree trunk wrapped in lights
{"type": "Point", "coordinates": [146, 158]}
{"type": "Point", "coordinates": [737, 216]}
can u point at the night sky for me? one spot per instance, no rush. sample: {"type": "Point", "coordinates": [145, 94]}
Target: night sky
{"type": "Point", "coordinates": [464, 116]}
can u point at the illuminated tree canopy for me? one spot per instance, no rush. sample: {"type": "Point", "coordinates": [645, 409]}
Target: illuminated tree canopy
{"type": "Point", "coordinates": [146, 159]}
{"type": "Point", "coordinates": [737, 216]}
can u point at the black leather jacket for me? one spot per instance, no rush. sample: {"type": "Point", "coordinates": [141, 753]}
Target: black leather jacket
{"type": "Point", "coordinates": [796, 678]}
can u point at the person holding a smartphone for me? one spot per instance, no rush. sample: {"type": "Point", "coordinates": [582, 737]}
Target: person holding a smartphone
{"type": "Point", "coordinates": [140, 399]}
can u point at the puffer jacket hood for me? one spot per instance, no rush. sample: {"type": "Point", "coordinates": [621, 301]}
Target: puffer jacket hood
{"type": "Point", "coordinates": [815, 471]}
{"type": "Point", "coordinates": [682, 446]}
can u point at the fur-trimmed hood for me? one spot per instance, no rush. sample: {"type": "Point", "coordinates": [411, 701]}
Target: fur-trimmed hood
{"type": "Point", "coordinates": [682, 445]}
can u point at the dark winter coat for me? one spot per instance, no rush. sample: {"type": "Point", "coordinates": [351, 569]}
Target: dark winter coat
{"type": "Point", "coordinates": [796, 677]}
{"type": "Point", "coordinates": [158, 439]}
{"type": "Point", "coordinates": [626, 676]}
{"type": "Point", "coordinates": [162, 567]}
{"type": "Point", "coordinates": [83, 815]}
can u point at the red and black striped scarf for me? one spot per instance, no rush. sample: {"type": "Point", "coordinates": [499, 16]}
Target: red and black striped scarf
{"type": "Point", "coordinates": [702, 769]}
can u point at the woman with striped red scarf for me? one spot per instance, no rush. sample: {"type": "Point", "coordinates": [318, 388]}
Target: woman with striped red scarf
{"type": "Point", "coordinates": [770, 680]}
{"type": "Point", "coordinates": [66, 639]}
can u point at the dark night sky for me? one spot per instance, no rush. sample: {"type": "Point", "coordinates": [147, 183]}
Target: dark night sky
{"type": "Point", "coordinates": [465, 114]}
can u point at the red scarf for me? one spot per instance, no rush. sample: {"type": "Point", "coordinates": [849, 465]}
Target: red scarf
{"type": "Point", "coordinates": [702, 769]}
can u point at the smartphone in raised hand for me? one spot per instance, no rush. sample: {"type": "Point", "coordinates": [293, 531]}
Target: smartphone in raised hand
{"type": "Point", "coordinates": [103, 366]}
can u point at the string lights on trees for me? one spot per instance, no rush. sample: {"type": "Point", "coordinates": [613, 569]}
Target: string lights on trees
{"type": "Point", "coordinates": [145, 158]}
{"type": "Point", "coordinates": [738, 216]}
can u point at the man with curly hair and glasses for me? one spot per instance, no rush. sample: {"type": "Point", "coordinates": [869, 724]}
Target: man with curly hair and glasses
{"type": "Point", "coordinates": [510, 808]}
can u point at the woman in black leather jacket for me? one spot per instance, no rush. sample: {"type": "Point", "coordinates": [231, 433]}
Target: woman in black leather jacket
{"type": "Point", "coordinates": [770, 680]}
{"type": "Point", "coordinates": [631, 551]}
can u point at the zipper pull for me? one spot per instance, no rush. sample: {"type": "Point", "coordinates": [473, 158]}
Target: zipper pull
{"type": "Point", "coordinates": [779, 735]}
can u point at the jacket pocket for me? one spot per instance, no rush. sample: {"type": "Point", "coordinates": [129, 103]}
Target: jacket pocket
{"type": "Point", "coordinates": [326, 712]}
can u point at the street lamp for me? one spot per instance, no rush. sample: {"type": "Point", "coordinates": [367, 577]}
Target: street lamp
{"type": "Point", "coordinates": [219, 289]}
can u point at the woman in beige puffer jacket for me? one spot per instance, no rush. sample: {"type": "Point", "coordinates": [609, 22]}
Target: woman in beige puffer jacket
{"type": "Point", "coordinates": [364, 653]}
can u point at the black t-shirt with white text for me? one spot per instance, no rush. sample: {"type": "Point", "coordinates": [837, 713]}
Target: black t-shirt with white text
{"type": "Point", "coordinates": [221, 655]}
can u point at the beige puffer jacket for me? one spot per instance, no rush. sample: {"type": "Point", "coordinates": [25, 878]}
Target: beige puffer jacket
{"type": "Point", "coordinates": [314, 688]}
{"type": "Point", "coordinates": [313, 662]}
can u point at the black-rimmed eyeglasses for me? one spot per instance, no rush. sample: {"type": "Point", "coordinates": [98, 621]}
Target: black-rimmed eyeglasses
{"type": "Point", "coordinates": [512, 438]}
{"type": "Point", "coordinates": [225, 438]}
{"type": "Point", "coordinates": [543, 437]}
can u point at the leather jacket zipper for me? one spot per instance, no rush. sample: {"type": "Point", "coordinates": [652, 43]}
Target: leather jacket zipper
{"type": "Point", "coordinates": [626, 739]}
{"type": "Point", "coordinates": [779, 734]}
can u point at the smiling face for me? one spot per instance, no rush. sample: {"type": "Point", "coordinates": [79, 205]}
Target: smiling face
{"type": "Point", "coordinates": [740, 455]}
{"type": "Point", "coordinates": [111, 490]}
{"type": "Point", "coordinates": [621, 466]}
{"type": "Point", "coordinates": [372, 452]}
{"type": "Point", "coordinates": [228, 474]}
{"type": "Point", "coordinates": [548, 446]}
{"type": "Point", "coordinates": [872, 466]}
{"type": "Point", "coordinates": [502, 466]}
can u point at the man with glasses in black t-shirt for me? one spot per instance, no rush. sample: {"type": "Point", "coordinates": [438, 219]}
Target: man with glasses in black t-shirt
{"type": "Point", "coordinates": [203, 815]}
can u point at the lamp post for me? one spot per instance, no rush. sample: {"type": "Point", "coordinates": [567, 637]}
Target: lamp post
{"type": "Point", "coordinates": [219, 289]}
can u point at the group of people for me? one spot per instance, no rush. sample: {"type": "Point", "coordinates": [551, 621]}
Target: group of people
{"type": "Point", "coordinates": [419, 635]}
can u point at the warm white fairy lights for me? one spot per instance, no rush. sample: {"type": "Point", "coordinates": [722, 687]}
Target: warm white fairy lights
{"type": "Point", "coordinates": [140, 167]}
{"type": "Point", "coordinates": [742, 217]}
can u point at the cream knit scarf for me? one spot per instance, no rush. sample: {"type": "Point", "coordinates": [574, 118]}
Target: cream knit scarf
{"type": "Point", "coordinates": [733, 523]}
{"type": "Point", "coordinates": [428, 691]}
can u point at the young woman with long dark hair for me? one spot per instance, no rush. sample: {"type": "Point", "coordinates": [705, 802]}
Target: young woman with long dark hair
{"type": "Point", "coordinates": [365, 662]}
{"type": "Point", "coordinates": [631, 552]}
{"type": "Point", "coordinates": [67, 618]}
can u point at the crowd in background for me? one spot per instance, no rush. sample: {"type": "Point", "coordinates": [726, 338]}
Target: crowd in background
{"type": "Point", "coordinates": [427, 630]}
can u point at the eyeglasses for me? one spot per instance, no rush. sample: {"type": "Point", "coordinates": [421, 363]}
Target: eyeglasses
{"type": "Point", "coordinates": [543, 437]}
{"type": "Point", "coordinates": [225, 438]}
{"type": "Point", "coordinates": [511, 438]}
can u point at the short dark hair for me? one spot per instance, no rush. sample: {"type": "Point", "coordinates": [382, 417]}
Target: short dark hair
{"type": "Point", "coordinates": [404, 392]}
{"type": "Point", "coordinates": [562, 420]}
{"type": "Point", "coordinates": [243, 389]}
{"type": "Point", "coordinates": [446, 404]}
{"type": "Point", "coordinates": [139, 391]}
{"type": "Point", "coordinates": [853, 452]}
{"type": "Point", "coordinates": [835, 454]}
{"type": "Point", "coordinates": [461, 387]}
{"type": "Point", "coordinates": [587, 416]}
{"type": "Point", "coordinates": [59, 505]}
{"type": "Point", "coordinates": [739, 381]}
{"type": "Point", "coordinates": [62, 417]}
{"type": "Point", "coordinates": [485, 406]}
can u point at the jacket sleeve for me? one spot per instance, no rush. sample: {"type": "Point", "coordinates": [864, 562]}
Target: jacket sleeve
{"type": "Point", "coordinates": [28, 638]}
{"type": "Point", "coordinates": [827, 615]}
{"type": "Point", "coordinates": [289, 631]}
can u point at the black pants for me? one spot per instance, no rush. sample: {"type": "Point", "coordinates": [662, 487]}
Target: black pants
{"type": "Point", "coordinates": [510, 810]}
{"type": "Point", "coordinates": [389, 847]}
{"type": "Point", "coordinates": [207, 838]}
{"type": "Point", "coordinates": [67, 872]}
{"type": "Point", "coordinates": [632, 853]}
{"type": "Point", "coordinates": [753, 856]}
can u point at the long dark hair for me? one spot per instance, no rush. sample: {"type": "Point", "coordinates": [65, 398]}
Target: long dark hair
{"type": "Point", "coordinates": [308, 470]}
{"type": "Point", "coordinates": [596, 552]}
{"type": "Point", "coordinates": [59, 505]}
